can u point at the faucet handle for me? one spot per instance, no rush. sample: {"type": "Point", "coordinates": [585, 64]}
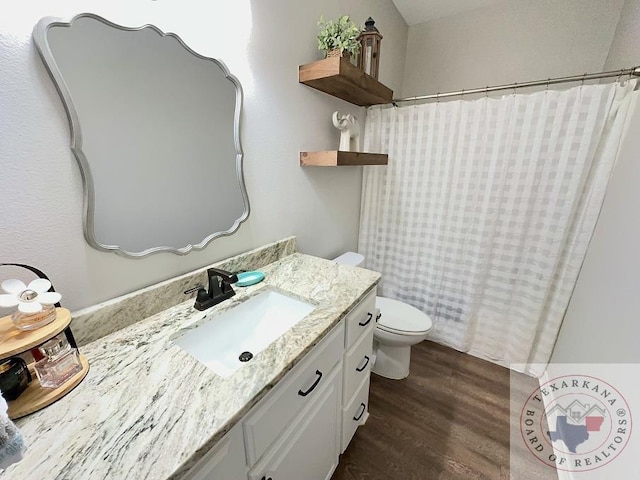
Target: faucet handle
{"type": "Point", "coordinates": [194, 289]}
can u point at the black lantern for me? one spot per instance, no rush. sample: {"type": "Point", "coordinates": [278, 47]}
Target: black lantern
{"type": "Point", "coordinates": [369, 59]}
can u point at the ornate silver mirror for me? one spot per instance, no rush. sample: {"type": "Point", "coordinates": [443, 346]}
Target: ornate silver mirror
{"type": "Point", "coordinates": [155, 128]}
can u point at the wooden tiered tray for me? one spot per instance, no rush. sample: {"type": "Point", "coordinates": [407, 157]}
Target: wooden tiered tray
{"type": "Point", "coordinates": [14, 341]}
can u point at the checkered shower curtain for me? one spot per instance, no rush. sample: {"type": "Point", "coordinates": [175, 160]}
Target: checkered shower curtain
{"type": "Point", "coordinates": [483, 216]}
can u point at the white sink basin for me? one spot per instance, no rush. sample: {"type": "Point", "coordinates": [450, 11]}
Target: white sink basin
{"type": "Point", "coordinates": [250, 327]}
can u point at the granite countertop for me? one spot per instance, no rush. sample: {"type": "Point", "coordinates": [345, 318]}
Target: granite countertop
{"type": "Point", "coordinates": [148, 410]}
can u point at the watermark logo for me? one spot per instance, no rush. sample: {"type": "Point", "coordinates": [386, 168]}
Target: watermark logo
{"type": "Point", "coordinates": [576, 423]}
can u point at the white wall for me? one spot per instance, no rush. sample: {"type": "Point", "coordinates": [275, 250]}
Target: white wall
{"type": "Point", "coordinates": [262, 43]}
{"type": "Point", "coordinates": [625, 51]}
{"type": "Point", "coordinates": [602, 323]}
{"type": "Point", "coordinates": [513, 41]}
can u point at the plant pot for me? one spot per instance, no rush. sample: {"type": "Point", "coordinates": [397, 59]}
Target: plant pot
{"type": "Point", "coordinates": [338, 53]}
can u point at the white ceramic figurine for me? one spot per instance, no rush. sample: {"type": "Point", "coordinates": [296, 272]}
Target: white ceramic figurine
{"type": "Point", "coordinates": [349, 131]}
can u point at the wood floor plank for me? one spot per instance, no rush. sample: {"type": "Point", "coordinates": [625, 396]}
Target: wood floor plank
{"type": "Point", "coordinates": [449, 420]}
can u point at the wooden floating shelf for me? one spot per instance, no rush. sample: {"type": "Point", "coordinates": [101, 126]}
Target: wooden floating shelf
{"type": "Point", "coordinates": [337, 158]}
{"type": "Point", "coordinates": [35, 397]}
{"type": "Point", "coordinates": [14, 341]}
{"type": "Point", "coordinates": [338, 77]}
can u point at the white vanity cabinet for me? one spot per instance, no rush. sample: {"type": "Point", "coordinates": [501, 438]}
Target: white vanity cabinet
{"type": "Point", "coordinates": [299, 429]}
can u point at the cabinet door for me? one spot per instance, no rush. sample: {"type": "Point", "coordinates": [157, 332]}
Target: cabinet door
{"type": "Point", "coordinates": [310, 447]}
{"type": "Point", "coordinates": [291, 395]}
{"type": "Point", "coordinates": [355, 414]}
{"type": "Point", "coordinates": [357, 365]}
{"type": "Point", "coordinates": [225, 461]}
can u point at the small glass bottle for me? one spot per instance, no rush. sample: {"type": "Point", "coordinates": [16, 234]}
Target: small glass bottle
{"type": "Point", "coordinates": [31, 321]}
{"type": "Point", "coordinates": [60, 362]}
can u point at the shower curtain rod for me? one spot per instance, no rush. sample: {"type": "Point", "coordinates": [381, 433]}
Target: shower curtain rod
{"type": "Point", "coordinates": [634, 71]}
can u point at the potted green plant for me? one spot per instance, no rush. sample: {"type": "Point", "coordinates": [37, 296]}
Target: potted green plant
{"type": "Point", "coordinates": [339, 37]}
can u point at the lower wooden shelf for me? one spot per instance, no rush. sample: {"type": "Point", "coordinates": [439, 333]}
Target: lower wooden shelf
{"type": "Point", "coordinates": [35, 397]}
{"type": "Point", "coordinates": [338, 158]}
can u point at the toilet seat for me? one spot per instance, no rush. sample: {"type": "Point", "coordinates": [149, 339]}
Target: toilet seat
{"type": "Point", "coordinates": [401, 332]}
{"type": "Point", "coordinates": [400, 318]}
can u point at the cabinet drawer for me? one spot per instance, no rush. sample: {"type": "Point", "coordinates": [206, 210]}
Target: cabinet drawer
{"type": "Point", "coordinates": [357, 364]}
{"type": "Point", "coordinates": [361, 318]}
{"type": "Point", "coordinates": [273, 414]}
{"type": "Point", "coordinates": [355, 414]}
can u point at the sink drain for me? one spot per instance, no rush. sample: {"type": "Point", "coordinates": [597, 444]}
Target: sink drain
{"type": "Point", "coordinates": [245, 356]}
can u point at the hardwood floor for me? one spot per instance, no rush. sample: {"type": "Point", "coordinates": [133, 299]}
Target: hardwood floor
{"type": "Point", "coordinates": [448, 420]}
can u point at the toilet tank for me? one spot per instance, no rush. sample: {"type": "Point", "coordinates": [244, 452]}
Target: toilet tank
{"type": "Point", "coordinates": [350, 258]}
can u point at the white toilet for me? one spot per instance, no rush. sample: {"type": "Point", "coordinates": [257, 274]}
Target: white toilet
{"type": "Point", "coordinates": [398, 327]}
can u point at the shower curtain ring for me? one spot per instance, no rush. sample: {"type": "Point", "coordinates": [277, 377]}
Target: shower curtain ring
{"type": "Point", "coordinates": [584, 77]}
{"type": "Point", "coordinates": [515, 86]}
{"type": "Point", "coordinates": [438, 97]}
{"type": "Point", "coordinates": [486, 91]}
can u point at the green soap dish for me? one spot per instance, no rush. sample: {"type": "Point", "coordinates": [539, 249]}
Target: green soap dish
{"type": "Point", "coordinates": [249, 278]}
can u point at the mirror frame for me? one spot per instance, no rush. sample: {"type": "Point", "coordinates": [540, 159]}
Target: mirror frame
{"type": "Point", "coordinates": [42, 46]}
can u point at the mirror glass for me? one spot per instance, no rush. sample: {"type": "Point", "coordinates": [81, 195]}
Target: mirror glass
{"type": "Point", "coordinates": [155, 129]}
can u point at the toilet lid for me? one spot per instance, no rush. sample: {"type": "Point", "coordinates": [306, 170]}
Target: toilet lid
{"type": "Point", "coordinates": [400, 317]}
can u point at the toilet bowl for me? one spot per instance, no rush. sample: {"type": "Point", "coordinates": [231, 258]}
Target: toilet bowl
{"type": "Point", "coordinates": [398, 327]}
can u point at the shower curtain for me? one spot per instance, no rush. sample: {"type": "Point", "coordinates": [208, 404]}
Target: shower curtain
{"type": "Point", "coordinates": [483, 215]}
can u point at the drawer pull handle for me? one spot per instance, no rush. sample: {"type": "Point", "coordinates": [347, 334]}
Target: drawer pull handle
{"type": "Point", "coordinates": [358, 417]}
{"type": "Point", "coordinates": [364, 366]}
{"type": "Point", "coordinates": [312, 387]}
{"type": "Point", "coordinates": [369, 317]}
